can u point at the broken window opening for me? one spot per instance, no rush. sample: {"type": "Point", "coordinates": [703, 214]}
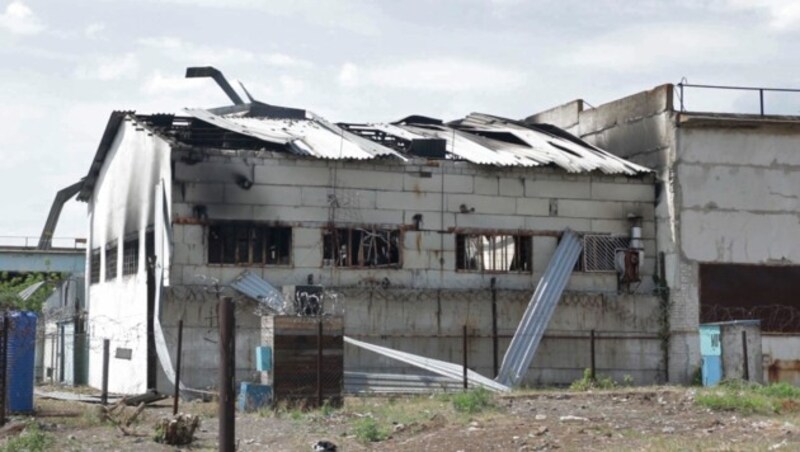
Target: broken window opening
{"type": "Point", "coordinates": [94, 266]}
{"type": "Point", "coordinates": [130, 257]}
{"type": "Point", "coordinates": [244, 243]}
{"type": "Point", "coordinates": [361, 247]}
{"type": "Point", "coordinates": [494, 253]}
{"type": "Point", "coordinates": [111, 261]}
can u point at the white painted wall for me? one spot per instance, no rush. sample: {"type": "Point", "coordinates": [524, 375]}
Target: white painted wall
{"type": "Point", "coordinates": [121, 204]}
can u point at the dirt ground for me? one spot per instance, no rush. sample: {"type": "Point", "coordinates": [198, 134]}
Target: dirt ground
{"type": "Point", "coordinates": [660, 418]}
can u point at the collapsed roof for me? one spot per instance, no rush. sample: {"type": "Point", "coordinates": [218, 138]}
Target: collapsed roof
{"type": "Point", "coordinates": [479, 138]}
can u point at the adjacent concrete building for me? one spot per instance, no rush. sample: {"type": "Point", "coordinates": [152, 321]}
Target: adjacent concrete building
{"type": "Point", "coordinates": [726, 213]}
{"type": "Point", "coordinates": [414, 229]}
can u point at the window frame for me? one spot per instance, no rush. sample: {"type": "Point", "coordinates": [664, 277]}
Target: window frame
{"type": "Point", "coordinates": [526, 240]}
{"type": "Point", "coordinates": [245, 235]}
{"type": "Point", "coordinates": [95, 265]}
{"type": "Point", "coordinates": [130, 256]}
{"type": "Point", "coordinates": [354, 236]}
{"type": "Point", "coordinates": [112, 258]}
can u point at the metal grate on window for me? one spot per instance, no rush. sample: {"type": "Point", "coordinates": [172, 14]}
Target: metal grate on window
{"type": "Point", "coordinates": [244, 243]}
{"type": "Point", "coordinates": [94, 266]}
{"type": "Point", "coordinates": [361, 247]}
{"type": "Point", "coordinates": [130, 257]}
{"type": "Point", "coordinates": [599, 251]}
{"type": "Point", "coordinates": [111, 261]}
{"type": "Point", "coordinates": [494, 253]}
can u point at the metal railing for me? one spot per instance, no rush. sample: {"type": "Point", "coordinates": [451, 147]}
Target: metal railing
{"type": "Point", "coordinates": [761, 90]}
{"type": "Point", "coordinates": [21, 241]}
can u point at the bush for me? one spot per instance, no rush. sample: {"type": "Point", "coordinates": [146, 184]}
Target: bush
{"type": "Point", "coordinates": [368, 430]}
{"type": "Point", "coordinates": [473, 401]}
{"type": "Point", "coordinates": [33, 439]}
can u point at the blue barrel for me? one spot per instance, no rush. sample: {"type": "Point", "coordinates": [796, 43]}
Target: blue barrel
{"type": "Point", "coordinates": [21, 351]}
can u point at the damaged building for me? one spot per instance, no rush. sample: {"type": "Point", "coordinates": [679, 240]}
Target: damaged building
{"type": "Point", "coordinates": [726, 211]}
{"type": "Point", "coordinates": [414, 229]}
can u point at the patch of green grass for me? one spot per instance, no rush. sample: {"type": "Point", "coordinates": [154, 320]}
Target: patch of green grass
{"type": "Point", "coordinates": [368, 430]}
{"type": "Point", "coordinates": [32, 439]}
{"type": "Point", "coordinates": [725, 400]}
{"type": "Point", "coordinates": [750, 398]}
{"type": "Point", "coordinates": [473, 401]}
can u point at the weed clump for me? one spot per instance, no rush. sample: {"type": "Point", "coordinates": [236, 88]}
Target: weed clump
{"type": "Point", "coordinates": [369, 431]}
{"type": "Point", "coordinates": [33, 439]}
{"type": "Point", "coordinates": [472, 402]}
{"type": "Point", "coordinates": [587, 382]}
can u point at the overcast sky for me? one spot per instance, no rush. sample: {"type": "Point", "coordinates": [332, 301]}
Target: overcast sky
{"type": "Point", "coordinates": [67, 64]}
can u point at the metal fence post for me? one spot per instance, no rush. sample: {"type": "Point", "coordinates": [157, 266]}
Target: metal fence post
{"type": "Point", "coordinates": [319, 364]}
{"type": "Point", "coordinates": [178, 368]}
{"type": "Point", "coordinates": [227, 392]}
{"type": "Point", "coordinates": [464, 352]}
{"type": "Point", "coordinates": [593, 368]}
{"type": "Point", "coordinates": [495, 347]}
{"type": "Point", "coordinates": [746, 373]}
{"type": "Point", "coordinates": [104, 394]}
{"type": "Point", "coordinates": [3, 368]}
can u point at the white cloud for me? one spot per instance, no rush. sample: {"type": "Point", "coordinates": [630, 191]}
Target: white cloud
{"type": "Point", "coordinates": [110, 68]}
{"type": "Point", "coordinates": [92, 31]}
{"type": "Point", "coordinates": [348, 75]}
{"type": "Point", "coordinates": [433, 74]}
{"type": "Point", "coordinates": [190, 53]}
{"type": "Point", "coordinates": [19, 19]}
{"type": "Point", "coordinates": [646, 48]}
{"type": "Point", "coordinates": [358, 16]}
{"type": "Point", "coordinates": [158, 83]}
{"type": "Point", "coordinates": [784, 15]}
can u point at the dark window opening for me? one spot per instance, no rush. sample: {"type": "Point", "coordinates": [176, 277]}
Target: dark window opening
{"type": "Point", "coordinates": [249, 244]}
{"type": "Point", "coordinates": [747, 292]}
{"type": "Point", "coordinates": [494, 253]}
{"type": "Point", "coordinates": [361, 247]}
{"type": "Point", "coordinates": [111, 261]}
{"type": "Point", "coordinates": [94, 266]}
{"type": "Point", "coordinates": [130, 257]}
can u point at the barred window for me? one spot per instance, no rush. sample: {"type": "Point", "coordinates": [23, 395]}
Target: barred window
{"type": "Point", "coordinates": [94, 266]}
{"type": "Point", "coordinates": [111, 261]}
{"type": "Point", "coordinates": [130, 257]}
{"type": "Point", "coordinates": [361, 247]}
{"type": "Point", "coordinates": [245, 243]}
{"type": "Point", "coordinates": [494, 253]}
{"type": "Point", "coordinates": [599, 252]}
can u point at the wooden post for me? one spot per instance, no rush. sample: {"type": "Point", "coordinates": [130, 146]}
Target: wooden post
{"type": "Point", "coordinates": [464, 352]}
{"type": "Point", "coordinates": [227, 365]}
{"type": "Point", "coordinates": [591, 347]}
{"type": "Point", "coordinates": [178, 368]}
{"type": "Point", "coordinates": [104, 394]}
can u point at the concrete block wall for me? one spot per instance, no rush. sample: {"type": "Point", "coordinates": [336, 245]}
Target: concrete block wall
{"type": "Point", "coordinates": [301, 193]}
{"type": "Point", "coordinates": [430, 322]}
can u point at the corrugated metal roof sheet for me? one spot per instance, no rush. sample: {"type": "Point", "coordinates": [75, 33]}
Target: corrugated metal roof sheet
{"type": "Point", "coordinates": [260, 290]}
{"type": "Point", "coordinates": [537, 315]}
{"type": "Point", "coordinates": [311, 136]}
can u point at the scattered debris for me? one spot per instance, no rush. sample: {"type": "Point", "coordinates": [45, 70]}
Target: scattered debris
{"type": "Point", "coordinates": [324, 446]}
{"type": "Point", "coordinates": [177, 430]}
{"type": "Point", "coordinates": [571, 418]}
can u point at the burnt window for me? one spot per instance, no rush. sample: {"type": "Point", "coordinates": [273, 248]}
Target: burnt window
{"type": "Point", "coordinates": [111, 261]}
{"type": "Point", "coordinates": [94, 266]}
{"type": "Point", "coordinates": [361, 247]}
{"type": "Point", "coordinates": [494, 253]}
{"type": "Point", "coordinates": [130, 257]}
{"type": "Point", "coordinates": [245, 243]}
